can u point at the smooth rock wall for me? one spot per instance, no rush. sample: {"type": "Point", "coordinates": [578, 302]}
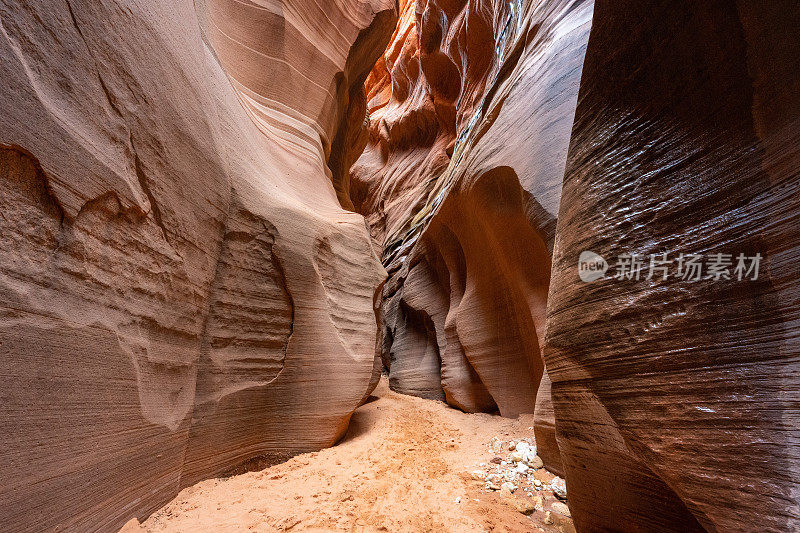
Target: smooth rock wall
{"type": "Point", "coordinates": [668, 405]}
{"type": "Point", "coordinates": [173, 247]}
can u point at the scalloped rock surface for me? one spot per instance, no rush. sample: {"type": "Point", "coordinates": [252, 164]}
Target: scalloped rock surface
{"type": "Point", "coordinates": [471, 110]}
{"type": "Point", "coordinates": [677, 402]}
{"type": "Point", "coordinates": [168, 311]}
{"type": "Point", "coordinates": [667, 406]}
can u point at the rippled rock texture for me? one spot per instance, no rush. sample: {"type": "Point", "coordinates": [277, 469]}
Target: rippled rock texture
{"type": "Point", "coordinates": [189, 291]}
{"type": "Point", "coordinates": [669, 405]}
{"type": "Point", "coordinates": [471, 110]}
{"type": "Point", "coordinates": [173, 251]}
{"type": "Point", "coordinates": [678, 402]}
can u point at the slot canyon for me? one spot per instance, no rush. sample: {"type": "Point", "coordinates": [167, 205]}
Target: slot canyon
{"type": "Point", "coordinates": [400, 265]}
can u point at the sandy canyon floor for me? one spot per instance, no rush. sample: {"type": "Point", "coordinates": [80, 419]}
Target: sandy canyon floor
{"type": "Point", "coordinates": [406, 464]}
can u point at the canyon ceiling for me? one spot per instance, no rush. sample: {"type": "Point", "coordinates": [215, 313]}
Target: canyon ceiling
{"type": "Point", "coordinates": [221, 219]}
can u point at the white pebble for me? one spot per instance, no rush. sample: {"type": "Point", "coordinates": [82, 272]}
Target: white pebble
{"type": "Point", "coordinates": [559, 487]}
{"type": "Point", "coordinates": [507, 486]}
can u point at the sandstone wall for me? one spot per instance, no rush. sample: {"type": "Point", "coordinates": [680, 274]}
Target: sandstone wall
{"type": "Point", "coordinates": [674, 403]}
{"type": "Point", "coordinates": [187, 290]}
{"type": "Point", "coordinates": [677, 402]}
{"type": "Point", "coordinates": [173, 251]}
{"type": "Point", "coordinates": [471, 110]}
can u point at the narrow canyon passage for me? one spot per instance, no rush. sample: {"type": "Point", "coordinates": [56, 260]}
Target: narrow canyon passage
{"type": "Point", "coordinates": [405, 465]}
{"type": "Point", "coordinates": [400, 265]}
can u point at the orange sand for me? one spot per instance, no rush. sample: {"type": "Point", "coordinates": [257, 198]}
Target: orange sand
{"type": "Point", "coordinates": [403, 465]}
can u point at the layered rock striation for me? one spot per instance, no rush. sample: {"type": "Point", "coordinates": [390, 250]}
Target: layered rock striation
{"type": "Point", "coordinates": [677, 400]}
{"type": "Point", "coordinates": [471, 110]}
{"type": "Point", "coordinates": [190, 288]}
{"type": "Point", "coordinates": [668, 404]}
{"type": "Point", "coordinates": [173, 248]}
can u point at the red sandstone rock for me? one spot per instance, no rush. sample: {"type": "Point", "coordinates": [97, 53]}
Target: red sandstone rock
{"type": "Point", "coordinates": [465, 305]}
{"type": "Point", "coordinates": [185, 297]}
{"type": "Point", "coordinates": [677, 401]}
{"type": "Point", "coordinates": [545, 427]}
{"type": "Point", "coordinates": [673, 403]}
{"type": "Point", "coordinates": [181, 290]}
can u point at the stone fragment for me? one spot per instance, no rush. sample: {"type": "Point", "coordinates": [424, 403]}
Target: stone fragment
{"type": "Point", "coordinates": [495, 445]}
{"type": "Point", "coordinates": [508, 487]}
{"type": "Point", "coordinates": [538, 502]}
{"type": "Point", "coordinates": [524, 506]}
{"type": "Point", "coordinates": [478, 475]}
{"type": "Point", "coordinates": [561, 508]}
{"type": "Point", "coordinates": [559, 487]}
{"type": "Point", "coordinates": [534, 462]}
{"type": "Point", "coordinates": [493, 482]}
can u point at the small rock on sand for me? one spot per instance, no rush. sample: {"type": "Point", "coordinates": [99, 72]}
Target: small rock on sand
{"type": "Point", "coordinates": [493, 482]}
{"type": "Point", "coordinates": [525, 507]}
{"type": "Point", "coordinates": [508, 487]}
{"type": "Point", "coordinates": [559, 487]}
{"type": "Point", "coordinates": [538, 502]}
{"type": "Point", "coordinates": [496, 445]}
{"type": "Point", "coordinates": [560, 508]}
{"type": "Point", "coordinates": [535, 462]}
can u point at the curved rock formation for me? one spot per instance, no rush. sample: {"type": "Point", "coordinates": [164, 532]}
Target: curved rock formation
{"type": "Point", "coordinates": [169, 312]}
{"type": "Point", "coordinates": [674, 402]}
{"type": "Point", "coordinates": [467, 217]}
{"type": "Point", "coordinates": [677, 400]}
{"type": "Point", "coordinates": [190, 289]}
